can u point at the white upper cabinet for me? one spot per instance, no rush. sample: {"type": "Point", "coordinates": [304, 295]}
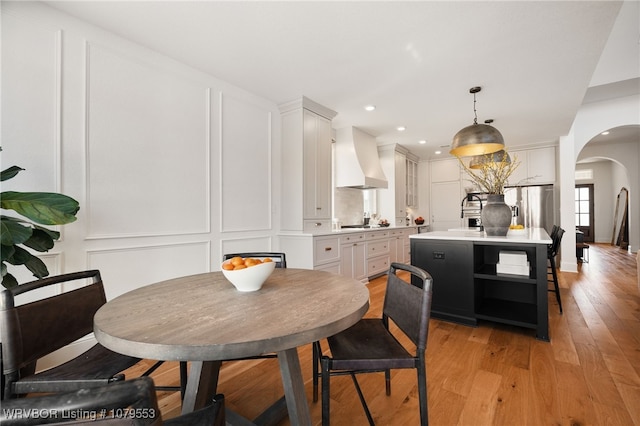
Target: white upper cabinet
{"type": "Point", "coordinates": [412, 181]}
{"type": "Point", "coordinates": [317, 166]}
{"type": "Point", "coordinates": [306, 173]}
{"type": "Point", "coordinates": [537, 166]}
{"type": "Point", "coordinates": [401, 185]}
{"type": "Point", "coordinates": [445, 170]}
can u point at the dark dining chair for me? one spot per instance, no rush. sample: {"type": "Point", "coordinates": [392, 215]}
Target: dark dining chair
{"type": "Point", "coordinates": [370, 345]}
{"type": "Point", "coordinates": [552, 253]}
{"type": "Point", "coordinates": [128, 402]}
{"type": "Point", "coordinates": [33, 330]}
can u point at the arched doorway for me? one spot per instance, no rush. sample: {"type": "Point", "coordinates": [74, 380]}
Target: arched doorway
{"type": "Point", "coordinates": [609, 162]}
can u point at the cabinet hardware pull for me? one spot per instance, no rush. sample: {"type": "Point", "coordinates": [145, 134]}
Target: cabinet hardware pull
{"type": "Point", "coordinates": [318, 223]}
{"type": "Point", "coordinates": [327, 249]}
{"type": "Point", "coordinates": [318, 208]}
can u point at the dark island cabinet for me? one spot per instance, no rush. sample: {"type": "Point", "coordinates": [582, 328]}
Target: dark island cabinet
{"type": "Point", "coordinates": [467, 287]}
{"type": "Point", "coordinates": [450, 264]}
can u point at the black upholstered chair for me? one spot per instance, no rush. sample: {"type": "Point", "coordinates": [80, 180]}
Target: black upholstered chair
{"type": "Point", "coordinates": [35, 329]}
{"type": "Point", "coordinates": [552, 253]}
{"type": "Point", "coordinates": [279, 258]}
{"type": "Point", "coordinates": [370, 346]}
{"type": "Point", "coordinates": [128, 402]}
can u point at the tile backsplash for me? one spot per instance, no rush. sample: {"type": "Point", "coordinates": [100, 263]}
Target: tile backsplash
{"type": "Point", "coordinates": [348, 205]}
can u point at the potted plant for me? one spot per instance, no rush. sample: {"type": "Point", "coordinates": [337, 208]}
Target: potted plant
{"type": "Point", "coordinates": [490, 172]}
{"type": "Point", "coordinates": [18, 234]}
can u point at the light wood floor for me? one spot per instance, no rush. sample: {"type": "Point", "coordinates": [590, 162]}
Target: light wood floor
{"type": "Point", "coordinates": [589, 374]}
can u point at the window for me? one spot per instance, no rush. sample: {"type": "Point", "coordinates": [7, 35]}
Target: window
{"type": "Point", "coordinates": [583, 202]}
{"type": "Point", "coordinates": [584, 174]}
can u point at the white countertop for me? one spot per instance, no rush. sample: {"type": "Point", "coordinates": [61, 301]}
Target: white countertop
{"type": "Point", "coordinates": [353, 230]}
{"type": "Point", "coordinates": [528, 235]}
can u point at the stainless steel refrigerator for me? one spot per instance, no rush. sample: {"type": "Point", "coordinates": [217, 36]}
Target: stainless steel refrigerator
{"type": "Point", "coordinates": [532, 206]}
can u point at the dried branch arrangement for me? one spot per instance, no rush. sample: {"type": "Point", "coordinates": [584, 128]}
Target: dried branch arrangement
{"type": "Point", "coordinates": [491, 176]}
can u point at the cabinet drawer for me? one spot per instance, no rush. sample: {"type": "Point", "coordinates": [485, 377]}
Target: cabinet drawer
{"type": "Point", "coordinates": [351, 238]}
{"type": "Point", "coordinates": [377, 248]}
{"type": "Point", "coordinates": [377, 265]}
{"type": "Point", "coordinates": [317, 226]}
{"type": "Point", "coordinates": [376, 235]}
{"type": "Point", "coordinates": [398, 232]}
{"type": "Point", "coordinates": [326, 250]}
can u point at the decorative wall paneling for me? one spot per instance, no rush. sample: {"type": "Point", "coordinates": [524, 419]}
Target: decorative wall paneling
{"type": "Point", "coordinates": [246, 244]}
{"type": "Point", "coordinates": [147, 149]}
{"type": "Point", "coordinates": [163, 159]}
{"type": "Point", "coordinates": [245, 165]}
{"type": "Point", "coordinates": [127, 268]}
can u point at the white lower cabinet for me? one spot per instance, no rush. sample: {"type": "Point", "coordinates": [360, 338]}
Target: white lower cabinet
{"type": "Point", "coordinates": [377, 253]}
{"type": "Point", "coordinates": [353, 257]}
{"type": "Point", "coordinates": [326, 254]}
{"type": "Point", "coordinates": [358, 255]}
{"type": "Point", "coordinates": [399, 246]}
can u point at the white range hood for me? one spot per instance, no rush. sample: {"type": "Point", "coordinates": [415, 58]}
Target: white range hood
{"type": "Point", "coordinates": [356, 160]}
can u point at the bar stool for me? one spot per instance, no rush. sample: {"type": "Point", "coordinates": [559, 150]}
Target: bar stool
{"type": "Point", "coordinates": [552, 252]}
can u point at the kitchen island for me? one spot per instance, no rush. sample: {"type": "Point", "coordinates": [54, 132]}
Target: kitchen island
{"type": "Point", "coordinates": [470, 282]}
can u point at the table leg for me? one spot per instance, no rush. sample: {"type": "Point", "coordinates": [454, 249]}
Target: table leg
{"type": "Point", "coordinates": [202, 382]}
{"type": "Point", "coordinates": [294, 392]}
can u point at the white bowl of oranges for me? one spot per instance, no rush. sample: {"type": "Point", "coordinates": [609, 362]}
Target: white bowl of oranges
{"type": "Point", "coordinates": [247, 274]}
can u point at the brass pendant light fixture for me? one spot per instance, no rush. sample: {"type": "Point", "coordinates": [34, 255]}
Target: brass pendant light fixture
{"type": "Point", "coordinates": [476, 139]}
{"type": "Point", "coordinates": [479, 161]}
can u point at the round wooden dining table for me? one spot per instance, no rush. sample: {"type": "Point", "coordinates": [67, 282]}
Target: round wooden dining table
{"type": "Point", "coordinates": [205, 320]}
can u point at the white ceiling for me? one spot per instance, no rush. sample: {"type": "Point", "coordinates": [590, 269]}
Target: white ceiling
{"type": "Point", "coordinates": [415, 61]}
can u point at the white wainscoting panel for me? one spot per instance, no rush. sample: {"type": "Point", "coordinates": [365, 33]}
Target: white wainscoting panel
{"type": "Point", "coordinates": [31, 93]}
{"type": "Point", "coordinates": [243, 245]}
{"type": "Point", "coordinates": [245, 165]}
{"type": "Point", "coordinates": [147, 148]}
{"type": "Point", "coordinates": [129, 268]}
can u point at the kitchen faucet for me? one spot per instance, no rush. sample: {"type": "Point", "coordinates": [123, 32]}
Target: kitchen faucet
{"type": "Point", "coordinates": [471, 197]}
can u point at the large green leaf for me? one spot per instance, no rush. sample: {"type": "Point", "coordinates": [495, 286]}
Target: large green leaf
{"type": "Point", "coordinates": [46, 208]}
{"type": "Point", "coordinates": [34, 264]}
{"type": "Point", "coordinates": [9, 173]}
{"type": "Point", "coordinates": [9, 281]}
{"type": "Point", "coordinates": [42, 239]}
{"type": "Point", "coordinates": [6, 253]}
{"type": "Point", "coordinates": [12, 231]}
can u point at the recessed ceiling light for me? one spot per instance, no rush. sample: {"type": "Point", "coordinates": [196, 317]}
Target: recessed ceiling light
{"type": "Point", "coordinates": [604, 133]}
{"type": "Point", "coordinates": [401, 128]}
{"type": "Point", "coordinates": [370, 107]}
{"type": "Point", "coordinates": [438, 152]}
{"type": "Point", "coordinates": [422, 142]}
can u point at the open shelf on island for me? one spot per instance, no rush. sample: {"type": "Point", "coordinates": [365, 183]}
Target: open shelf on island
{"type": "Point", "coordinates": [508, 312]}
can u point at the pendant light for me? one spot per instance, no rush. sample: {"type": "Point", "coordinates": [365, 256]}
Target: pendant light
{"type": "Point", "coordinates": [478, 161]}
{"type": "Point", "coordinates": [477, 139]}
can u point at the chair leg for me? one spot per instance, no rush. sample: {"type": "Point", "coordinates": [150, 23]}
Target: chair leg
{"type": "Point", "coordinates": [387, 381]}
{"type": "Point", "coordinates": [362, 400]}
{"type": "Point", "coordinates": [183, 379]}
{"type": "Point", "coordinates": [555, 282]}
{"type": "Point", "coordinates": [422, 395]}
{"type": "Point", "coordinates": [325, 391]}
{"type": "Point", "coordinates": [316, 362]}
